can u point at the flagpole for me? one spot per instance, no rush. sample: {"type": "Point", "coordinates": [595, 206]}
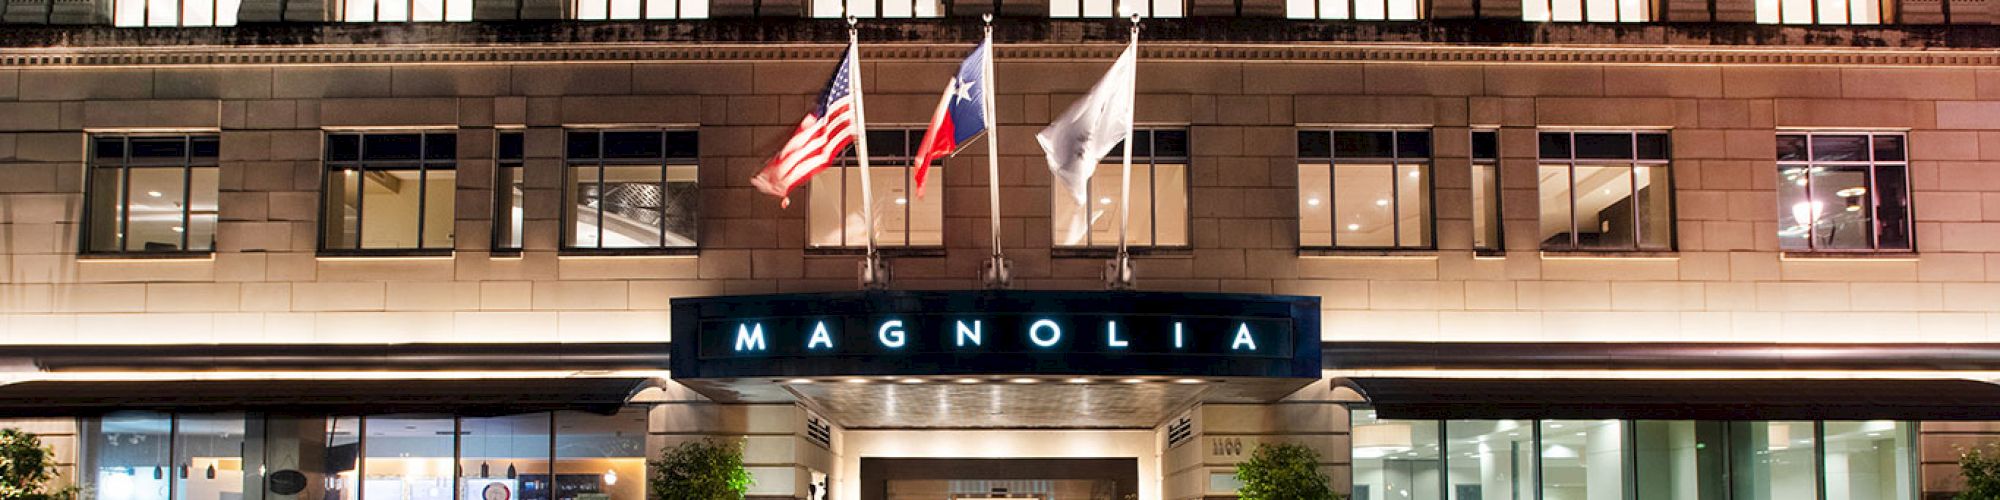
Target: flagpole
{"type": "Point", "coordinates": [1122, 277]}
{"type": "Point", "coordinates": [873, 273]}
{"type": "Point", "coordinates": [998, 274]}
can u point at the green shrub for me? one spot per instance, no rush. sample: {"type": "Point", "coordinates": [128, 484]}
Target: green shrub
{"type": "Point", "coordinates": [1981, 469]}
{"type": "Point", "coordinates": [1283, 471]}
{"type": "Point", "coordinates": [700, 470]}
{"type": "Point", "coordinates": [26, 468]}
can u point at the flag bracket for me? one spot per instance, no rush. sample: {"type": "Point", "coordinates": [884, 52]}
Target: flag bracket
{"type": "Point", "coordinates": [998, 273]}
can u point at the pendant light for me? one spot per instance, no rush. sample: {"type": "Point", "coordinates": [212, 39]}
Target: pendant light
{"type": "Point", "coordinates": [184, 469]}
{"type": "Point", "coordinates": [510, 471]}
{"type": "Point", "coordinates": [485, 470]}
{"type": "Point", "coordinates": [610, 477]}
{"type": "Point", "coordinates": [211, 471]}
{"type": "Point", "coordinates": [157, 474]}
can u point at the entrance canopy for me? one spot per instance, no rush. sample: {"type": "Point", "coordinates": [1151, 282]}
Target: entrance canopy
{"type": "Point", "coordinates": [1680, 399]}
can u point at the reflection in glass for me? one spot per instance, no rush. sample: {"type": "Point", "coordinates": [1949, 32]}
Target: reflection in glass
{"type": "Point", "coordinates": [1869, 460]}
{"type": "Point", "coordinates": [1604, 207]}
{"type": "Point", "coordinates": [1491, 459]}
{"type": "Point", "coordinates": [1395, 459]}
{"type": "Point", "coordinates": [1413, 207]}
{"type": "Point", "coordinates": [1655, 206]}
{"type": "Point", "coordinates": [1556, 223]}
{"type": "Point", "coordinates": [1583, 459]}
{"type": "Point", "coordinates": [1315, 205]}
{"type": "Point", "coordinates": [1485, 206]}
{"type": "Point", "coordinates": [1364, 211]}
{"type": "Point", "coordinates": [107, 209]}
{"type": "Point", "coordinates": [126, 458]}
{"type": "Point", "coordinates": [1892, 207]}
{"type": "Point", "coordinates": [602, 455]}
{"type": "Point", "coordinates": [209, 458]}
{"type": "Point", "coordinates": [340, 470]}
{"type": "Point", "coordinates": [507, 223]}
{"type": "Point", "coordinates": [408, 458]}
{"type": "Point", "coordinates": [1680, 460]}
{"type": "Point", "coordinates": [156, 204]}
{"type": "Point", "coordinates": [1772, 460]}
{"type": "Point", "coordinates": [509, 453]}
{"type": "Point", "coordinates": [1170, 206]}
{"type": "Point", "coordinates": [203, 188]}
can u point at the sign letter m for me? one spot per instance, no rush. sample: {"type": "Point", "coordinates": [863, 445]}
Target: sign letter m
{"type": "Point", "coordinates": [748, 339]}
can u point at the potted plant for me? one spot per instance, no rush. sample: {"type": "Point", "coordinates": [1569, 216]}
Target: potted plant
{"type": "Point", "coordinates": [26, 468]}
{"type": "Point", "coordinates": [1981, 470]}
{"type": "Point", "coordinates": [700, 470]}
{"type": "Point", "coordinates": [1283, 471]}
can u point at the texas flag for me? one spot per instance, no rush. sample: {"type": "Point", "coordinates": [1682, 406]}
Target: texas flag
{"type": "Point", "coordinates": [960, 115]}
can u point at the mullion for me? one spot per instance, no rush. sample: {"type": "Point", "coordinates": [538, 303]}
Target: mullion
{"type": "Point", "coordinates": [187, 190]}
{"type": "Point", "coordinates": [1395, 201]}
{"type": "Point", "coordinates": [124, 194]}
{"type": "Point", "coordinates": [1632, 178]}
{"type": "Point", "coordinates": [423, 181]}
{"type": "Point", "coordinates": [661, 224]}
{"type": "Point", "coordinates": [600, 188]}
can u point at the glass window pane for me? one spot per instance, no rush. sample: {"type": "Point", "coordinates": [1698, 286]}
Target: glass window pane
{"type": "Point", "coordinates": [225, 12]}
{"type": "Point", "coordinates": [125, 456]}
{"type": "Point", "coordinates": [694, 9]}
{"type": "Point", "coordinates": [926, 220]}
{"type": "Point", "coordinates": [439, 225]}
{"type": "Point", "coordinates": [1583, 458]}
{"type": "Point", "coordinates": [1491, 459]}
{"type": "Point", "coordinates": [202, 207]}
{"type": "Point", "coordinates": [1413, 207]}
{"type": "Point", "coordinates": [510, 454]}
{"type": "Point", "coordinates": [157, 209]}
{"type": "Point", "coordinates": [205, 149]}
{"type": "Point", "coordinates": [1604, 146]}
{"type": "Point", "coordinates": [1364, 208]}
{"type": "Point", "coordinates": [1840, 208]}
{"type": "Point", "coordinates": [1413, 145]}
{"type": "Point", "coordinates": [1869, 460]}
{"type": "Point", "coordinates": [1315, 209]}
{"type": "Point", "coordinates": [1795, 209]}
{"type": "Point", "coordinates": [683, 144]}
{"type": "Point", "coordinates": [1840, 148]}
{"type": "Point", "coordinates": [1395, 458]}
{"type": "Point", "coordinates": [358, 11]}
{"type": "Point", "coordinates": [1141, 232]}
{"type": "Point", "coordinates": [1485, 206]}
{"type": "Point", "coordinates": [441, 146]}
{"type": "Point", "coordinates": [632, 144]}
{"type": "Point", "coordinates": [1773, 460]}
{"type": "Point", "coordinates": [1892, 207]}
{"type": "Point", "coordinates": [340, 460]}
{"type": "Point", "coordinates": [1315, 144]}
{"type": "Point", "coordinates": [1530, 11]}
{"type": "Point", "coordinates": [342, 223]}
{"type": "Point", "coordinates": [1555, 196]}
{"type": "Point", "coordinates": [376, 147]}
{"type": "Point", "coordinates": [1333, 9]}
{"type": "Point", "coordinates": [163, 13]}
{"type": "Point", "coordinates": [1796, 11]}
{"type": "Point", "coordinates": [1767, 11]}
{"type": "Point", "coordinates": [661, 9]}
{"type": "Point", "coordinates": [1355, 144]}
{"type": "Point", "coordinates": [827, 215]}
{"type": "Point", "coordinates": [1402, 9]}
{"type": "Point", "coordinates": [1832, 11]}
{"type": "Point", "coordinates": [624, 9]}
{"type": "Point", "coordinates": [427, 10]}
{"type": "Point", "coordinates": [1680, 460]}
{"type": "Point", "coordinates": [392, 10]}
{"type": "Point", "coordinates": [1888, 148]}
{"type": "Point", "coordinates": [632, 202]}
{"type": "Point", "coordinates": [1485, 145]}
{"type": "Point", "coordinates": [1554, 145]}
{"type": "Point", "coordinates": [156, 150]}
{"type": "Point", "coordinates": [343, 147]}
{"type": "Point", "coordinates": [592, 10]}
{"type": "Point", "coordinates": [683, 206]}
{"type": "Point", "coordinates": [389, 208]}
{"type": "Point", "coordinates": [1791, 147]}
{"type": "Point", "coordinates": [1105, 186]}
{"type": "Point", "coordinates": [1170, 204]}
{"type": "Point", "coordinates": [511, 146]}
{"type": "Point", "coordinates": [409, 458]}
{"type": "Point", "coordinates": [1370, 9]}
{"type": "Point", "coordinates": [458, 10]}
{"type": "Point", "coordinates": [511, 188]}
{"type": "Point", "coordinates": [129, 13]}
{"type": "Point", "coordinates": [601, 456]}
{"type": "Point", "coordinates": [1604, 207]}
{"type": "Point", "coordinates": [856, 231]}
{"type": "Point", "coordinates": [1651, 146]}
{"type": "Point", "coordinates": [107, 209]}
{"type": "Point", "coordinates": [1070, 221]}
{"type": "Point", "coordinates": [1566, 10]}
{"type": "Point", "coordinates": [582, 209]}
{"type": "Point", "coordinates": [198, 12]}
{"type": "Point", "coordinates": [1170, 143]}
{"type": "Point", "coordinates": [890, 200]}
{"type": "Point", "coordinates": [209, 454]}
{"type": "Point", "coordinates": [581, 145]}
{"type": "Point", "coordinates": [1656, 213]}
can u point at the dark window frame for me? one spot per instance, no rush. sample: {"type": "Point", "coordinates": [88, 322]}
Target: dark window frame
{"type": "Point", "coordinates": [1149, 161]}
{"type": "Point", "coordinates": [502, 192]}
{"type": "Point", "coordinates": [423, 164]}
{"type": "Point", "coordinates": [665, 162]}
{"type": "Point", "coordinates": [180, 15]}
{"type": "Point", "coordinates": [904, 159]}
{"type": "Point", "coordinates": [124, 166]}
{"type": "Point", "coordinates": [1873, 166]}
{"type": "Point", "coordinates": [1396, 160]}
{"type": "Point", "coordinates": [1634, 160]}
{"type": "Point", "coordinates": [1499, 218]}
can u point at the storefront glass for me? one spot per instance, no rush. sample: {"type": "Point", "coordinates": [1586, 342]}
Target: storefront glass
{"type": "Point", "coordinates": [129, 456]}
{"type": "Point", "coordinates": [600, 457]}
{"type": "Point", "coordinates": [1491, 459]}
{"type": "Point", "coordinates": [1773, 460]}
{"type": "Point", "coordinates": [408, 458]}
{"type": "Point", "coordinates": [208, 458]}
{"type": "Point", "coordinates": [1583, 459]}
{"type": "Point", "coordinates": [1395, 459]}
{"type": "Point", "coordinates": [1678, 459]}
{"type": "Point", "coordinates": [1869, 461]}
{"type": "Point", "coordinates": [504, 457]}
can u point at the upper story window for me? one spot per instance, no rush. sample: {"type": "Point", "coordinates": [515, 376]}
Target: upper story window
{"type": "Point", "coordinates": [1819, 11]}
{"type": "Point", "coordinates": [1486, 225]}
{"type": "Point", "coordinates": [631, 189]}
{"type": "Point", "coordinates": [174, 13]}
{"type": "Point", "coordinates": [151, 193]}
{"type": "Point", "coordinates": [509, 190]}
{"type": "Point", "coordinates": [1365, 188]}
{"type": "Point", "coordinates": [902, 219]}
{"type": "Point", "coordinates": [1159, 196]}
{"type": "Point", "coordinates": [599, 10]}
{"type": "Point", "coordinates": [396, 11]}
{"type": "Point", "coordinates": [1367, 10]}
{"type": "Point", "coordinates": [1595, 11]}
{"type": "Point", "coordinates": [1843, 191]}
{"type": "Point", "coordinates": [1606, 191]}
{"type": "Point", "coordinates": [877, 8]}
{"type": "Point", "coordinates": [389, 191]}
{"type": "Point", "coordinates": [1114, 8]}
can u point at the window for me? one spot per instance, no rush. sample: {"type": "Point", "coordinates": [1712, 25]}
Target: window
{"type": "Point", "coordinates": [174, 13]}
{"type": "Point", "coordinates": [1364, 189]}
{"type": "Point", "coordinates": [1843, 191]}
{"type": "Point", "coordinates": [1869, 460]}
{"type": "Point", "coordinates": [1819, 11]}
{"type": "Point", "coordinates": [598, 10]}
{"type": "Point", "coordinates": [1159, 196]}
{"type": "Point", "coordinates": [1395, 458]}
{"type": "Point", "coordinates": [1673, 456]}
{"type": "Point", "coordinates": [1491, 459]}
{"type": "Point", "coordinates": [1605, 191]}
{"type": "Point", "coordinates": [600, 456]}
{"type": "Point", "coordinates": [389, 191]}
{"type": "Point", "coordinates": [1595, 11]}
{"type": "Point", "coordinates": [396, 11]}
{"type": "Point", "coordinates": [1368, 10]}
{"type": "Point", "coordinates": [157, 456]}
{"type": "Point", "coordinates": [509, 190]}
{"type": "Point", "coordinates": [901, 218]}
{"type": "Point", "coordinates": [510, 451]}
{"type": "Point", "coordinates": [631, 189]}
{"type": "Point", "coordinates": [877, 8]}
{"type": "Point", "coordinates": [1583, 459]}
{"type": "Point", "coordinates": [151, 194]}
{"type": "Point", "coordinates": [1486, 225]}
{"type": "Point", "coordinates": [1113, 8]}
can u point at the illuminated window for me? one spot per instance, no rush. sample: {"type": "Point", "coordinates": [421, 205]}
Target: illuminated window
{"type": "Point", "coordinates": [1486, 225]}
{"type": "Point", "coordinates": [1368, 10]}
{"type": "Point", "coordinates": [396, 11]}
{"type": "Point", "coordinates": [631, 189]}
{"type": "Point", "coordinates": [1159, 197]}
{"type": "Point", "coordinates": [1365, 188]}
{"type": "Point", "coordinates": [151, 193]}
{"type": "Point", "coordinates": [877, 8]}
{"type": "Point", "coordinates": [174, 13]}
{"type": "Point", "coordinates": [389, 191]}
{"type": "Point", "coordinates": [1843, 191]}
{"type": "Point", "coordinates": [902, 219]}
{"type": "Point", "coordinates": [1113, 8]}
{"type": "Point", "coordinates": [509, 191]}
{"type": "Point", "coordinates": [1819, 11]}
{"type": "Point", "coordinates": [598, 10]}
{"type": "Point", "coordinates": [1595, 11]}
{"type": "Point", "coordinates": [1605, 191]}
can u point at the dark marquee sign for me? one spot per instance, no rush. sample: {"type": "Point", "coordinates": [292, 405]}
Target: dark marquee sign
{"type": "Point", "coordinates": [914, 333]}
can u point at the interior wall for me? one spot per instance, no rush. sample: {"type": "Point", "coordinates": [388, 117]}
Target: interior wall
{"type": "Point", "coordinates": [1012, 443]}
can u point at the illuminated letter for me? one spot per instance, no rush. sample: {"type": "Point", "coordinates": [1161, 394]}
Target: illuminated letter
{"type": "Point", "coordinates": [1055, 333]}
{"type": "Point", "coordinates": [820, 337]}
{"type": "Point", "coordinates": [891, 334]}
{"type": "Point", "coordinates": [1243, 338]}
{"type": "Point", "coordinates": [748, 339]}
{"type": "Point", "coordinates": [969, 333]}
{"type": "Point", "coordinates": [1177, 335]}
{"type": "Point", "coordinates": [1111, 336]}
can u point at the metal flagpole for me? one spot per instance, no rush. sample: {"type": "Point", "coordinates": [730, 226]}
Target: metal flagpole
{"type": "Point", "coordinates": [998, 273]}
{"type": "Point", "coordinates": [873, 273]}
{"type": "Point", "coordinates": [1122, 277]}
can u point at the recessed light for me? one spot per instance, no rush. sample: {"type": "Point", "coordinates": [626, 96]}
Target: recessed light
{"type": "Point", "coordinates": [1133, 381]}
{"type": "Point", "coordinates": [1381, 203]}
{"type": "Point", "coordinates": [1023, 380]}
{"type": "Point", "coordinates": [178, 229]}
{"type": "Point", "coordinates": [910, 381]}
{"type": "Point", "coordinates": [1190, 381]}
{"type": "Point", "coordinates": [155, 194]}
{"type": "Point", "coordinates": [1353, 227]}
{"type": "Point", "coordinates": [799, 381]}
{"type": "Point", "coordinates": [968, 381]}
{"type": "Point", "coordinates": [902, 201]}
{"type": "Point", "coordinates": [1079, 380]}
{"type": "Point", "coordinates": [1104, 201]}
{"type": "Point", "coordinates": [857, 381]}
{"type": "Point", "coordinates": [1312, 202]}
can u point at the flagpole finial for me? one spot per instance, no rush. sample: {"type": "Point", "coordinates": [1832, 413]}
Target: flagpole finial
{"type": "Point", "coordinates": [851, 21]}
{"type": "Point", "coordinates": [988, 17]}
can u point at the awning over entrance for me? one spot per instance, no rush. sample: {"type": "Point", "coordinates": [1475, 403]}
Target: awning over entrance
{"type": "Point", "coordinates": [320, 396]}
{"type": "Point", "coordinates": [1679, 399]}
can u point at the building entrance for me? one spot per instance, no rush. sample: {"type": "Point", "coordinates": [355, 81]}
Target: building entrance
{"type": "Point", "coordinates": [999, 478]}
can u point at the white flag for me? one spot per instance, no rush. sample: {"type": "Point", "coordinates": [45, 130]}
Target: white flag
{"type": "Point", "coordinates": [1092, 126]}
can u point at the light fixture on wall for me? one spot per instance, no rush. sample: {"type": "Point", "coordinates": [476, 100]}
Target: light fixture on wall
{"type": "Point", "coordinates": [610, 477]}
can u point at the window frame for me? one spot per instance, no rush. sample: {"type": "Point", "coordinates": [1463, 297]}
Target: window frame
{"type": "Point", "coordinates": [939, 9]}
{"type": "Point", "coordinates": [1499, 216]}
{"type": "Point", "coordinates": [844, 165]}
{"type": "Point", "coordinates": [1083, 10]}
{"type": "Point", "coordinates": [1428, 165]}
{"type": "Point", "coordinates": [186, 165]}
{"type": "Point", "coordinates": [1316, 10]}
{"type": "Point", "coordinates": [502, 192]}
{"type": "Point", "coordinates": [1650, 12]}
{"type": "Point", "coordinates": [1874, 194]}
{"type": "Point", "coordinates": [1633, 164]}
{"type": "Point", "coordinates": [574, 10]}
{"type": "Point", "coordinates": [1149, 161]}
{"type": "Point", "coordinates": [409, 12]}
{"type": "Point", "coordinates": [424, 165]}
{"type": "Point", "coordinates": [665, 162]}
{"type": "Point", "coordinates": [215, 14]}
{"type": "Point", "coordinates": [1777, 9]}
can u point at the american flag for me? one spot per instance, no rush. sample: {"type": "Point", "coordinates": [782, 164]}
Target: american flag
{"type": "Point", "coordinates": [821, 137]}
